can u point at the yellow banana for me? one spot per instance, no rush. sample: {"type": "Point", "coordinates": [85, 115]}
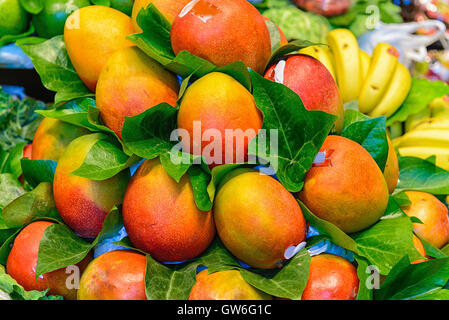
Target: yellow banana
{"type": "Point", "coordinates": [365, 61]}
{"type": "Point", "coordinates": [322, 54]}
{"type": "Point", "coordinates": [382, 69]}
{"type": "Point", "coordinates": [395, 94]}
{"type": "Point", "coordinates": [441, 154]}
{"type": "Point", "coordinates": [424, 138]}
{"type": "Point", "coordinates": [433, 124]}
{"type": "Point", "coordinates": [440, 107]}
{"type": "Point", "coordinates": [415, 119]}
{"type": "Point", "coordinates": [345, 48]}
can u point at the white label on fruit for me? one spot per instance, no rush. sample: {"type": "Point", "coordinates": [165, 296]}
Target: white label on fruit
{"type": "Point", "coordinates": [320, 158]}
{"type": "Point", "coordinates": [279, 72]}
{"type": "Point", "coordinates": [291, 251]}
{"type": "Point", "coordinates": [188, 7]}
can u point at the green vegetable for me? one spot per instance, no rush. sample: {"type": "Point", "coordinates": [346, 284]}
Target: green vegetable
{"type": "Point", "coordinates": [297, 24]}
{"type": "Point", "coordinates": [50, 20]}
{"type": "Point", "coordinates": [13, 18]}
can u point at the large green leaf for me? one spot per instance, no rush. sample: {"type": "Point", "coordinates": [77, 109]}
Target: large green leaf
{"type": "Point", "coordinates": [37, 171]}
{"type": "Point", "coordinates": [415, 281]}
{"type": "Point", "coordinates": [422, 175]}
{"type": "Point", "coordinates": [38, 203]}
{"type": "Point", "coordinates": [55, 69]}
{"type": "Point", "coordinates": [293, 135]}
{"type": "Point", "coordinates": [10, 189]}
{"type": "Point", "coordinates": [10, 161]}
{"type": "Point", "coordinates": [372, 135]}
{"type": "Point", "coordinates": [385, 243]}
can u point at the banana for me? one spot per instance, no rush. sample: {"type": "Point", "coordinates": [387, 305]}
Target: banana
{"type": "Point", "coordinates": [433, 124]}
{"type": "Point", "coordinates": [345, 48]}
{"type": "Point", "coordinates": [415, 119]}
{"type": "Point", "coordinates": [365, 61]}
{"type": "Point", "coordinates": [435, 138]}
{"type": "Point", "coordinates": [441, 154]}
{"type": "Point", "coordinates": [322, 54]}
{"type": "Point", "coordinates": [440, 107]}
{"type": "Point", "coordinates": [381, 71]}
{"type": "Point", "coordinates": [396, 93]}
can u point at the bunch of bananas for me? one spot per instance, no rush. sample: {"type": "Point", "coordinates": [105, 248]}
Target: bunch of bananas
{"type": "Point", "coordinates": [427, 134]}
{"type": "Point", "coordinates": [380, 83]}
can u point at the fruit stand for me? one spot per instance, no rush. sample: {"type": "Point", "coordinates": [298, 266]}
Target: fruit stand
{"type": "Point", "coordinates": [224, 150]}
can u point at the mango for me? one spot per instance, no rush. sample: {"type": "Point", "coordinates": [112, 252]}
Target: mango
{"type": "Point", "coordinates": [161, 217]}
{"type": "Point", "coordinates": [331, 278]}
{"type": "Point", "coordinates": [434, 215]}
{"type": "Point", "coordinates": [218, 103]}
{"type": "Point", "coordinates": [224, 285]}
{"type": "Point", "coordinates": [222, 32]}
{"type": "Point", "coordinates": [348, 189]}
{"type": "Point", "coordinates": [114, 275]}
{"type": "Point", "coordinates": [391, 171]}
{"type": "Point", "coordinates": [84, 203]}
{"type": "Point", "coordinates": [52, 138]}
{"type": "Point", "coordinates": [91, 35]}
{"type": "Point", "coordinates": [311, 81]}
{"type": "Point", "coordinates": [169, 9]}
{"type": "Point", "coordinates": [257, 219]}
{"type": "Point", "coordinates": [22, 261]}
{"type": "Point", "coordinates": [130, 83]}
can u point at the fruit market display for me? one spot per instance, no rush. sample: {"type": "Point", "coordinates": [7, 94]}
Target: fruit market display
{"type": "Point", "coordinates": [197, 150]}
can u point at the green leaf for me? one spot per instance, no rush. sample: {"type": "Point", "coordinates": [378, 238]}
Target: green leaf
{"type": "Point", "coordinates": [37, 171]}
{"type": "Point", "coordinates": [297, 133]}
{"type": "Point", "coordinates": [32, 6]}
{"type": "Point", "coordinates": [292, 46]}
{"type": "Point", "coordinates": [10, 189]}
{"type": "Point", "coordinates": [402, 199]}
{"type": "Point", "coordinates": [275, 35]}
{"type": "Point", "coordinates": [362, 267]}
{"type": "Point", "coordinates": [55, 69]}
{"type": "Point", "coordinates": [200, 179]}
{"type": "Point", "coordinates": [352, 116]}
{"type": "Point", "coordinates": [6, 247]}
{"type": "Point", "coordinates": [328, 229]}
{"type": "Point", "coordinates": [106, 3]}
{"type": "Point", "coordinates": [104, 160]}
{"type": "Point", "coordinates": [10, 161]}
{"type": "Point", "coordinates": [61, 247]}
{"type": "Point", "coordinates": [372, 135]}
{"type": "Point", "coordinates": [422, 93]}
{"type": "Point", "coordinates": [9, 38]}
{"type": "Point", "coordinates": [414, 281]}
{"type": "Point", "coordinates": [288, 282]}
{"type": "Point", "coordinates": [38, 203]}
{"type": "Point", "coordinates": [10, 289]}
{"type": "Point", "coordinates": [433, 252]}
{"type": "Point", "coordinates": [422, 175]}
{"type": "Point", "coordinates": [393, 210]}
{"type": "Point", "coordinates": [386, 242]}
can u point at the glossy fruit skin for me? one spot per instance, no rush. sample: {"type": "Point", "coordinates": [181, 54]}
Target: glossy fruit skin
{"type": "Point", "coordinates": [114, 275]}
{"type": "Point", "coordinates": [391, 171]}
{"type": "Point", "coordinates": [331, 278]}
{"type": "Point", "coordinates": [224, 285]}
{"type": "Point", "coordinates": [161, 216]}
{"type": "Point", "coordinates": [52, 138]}
{"type": "Point", "coordinates": [420, 248]}
{"type": "Point", "coordinates": [83, 203]}
{"type": "Point", "coordinates": [169, 9]}
{"type": "Point", "coordinates": [257, 219]}
{"type": "Point", "coordinates": [212, 30]}
{"type": "Point", "coordinates": [51, 20]}
{"type": "Point", "coordinates": [350, 190]}
{"type": "Point", "coordinates": [434, 215]}
{"type": "Point", "coordinates": [22, 261]}
{"type": "Point", "coordinates": [314, 84]}
{"type": "Point", "coordinates": [91, 44]}
{"type": "Point", "coordinates": [130, 83]}
{"type": "Point", "coordinates": [13, 18]}
{"type": "Point", "coordinates": [218, 102]}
